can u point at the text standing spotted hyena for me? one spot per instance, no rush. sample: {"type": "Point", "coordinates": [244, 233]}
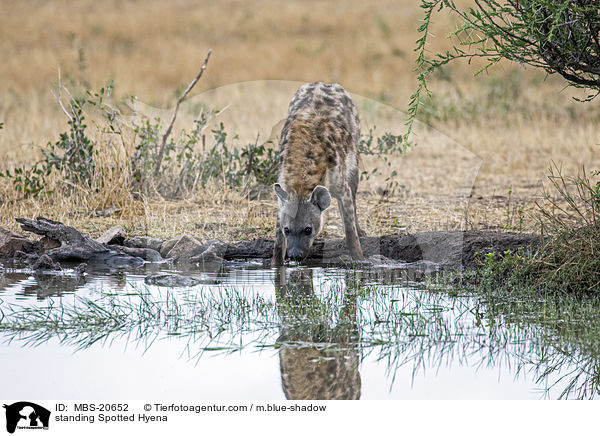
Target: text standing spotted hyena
{"type": "Point", "coordinates": [319, 145]}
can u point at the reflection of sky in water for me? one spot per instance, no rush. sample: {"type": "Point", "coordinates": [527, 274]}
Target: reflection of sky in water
{"type": "Point", "coordinates": [112, 373]}
{"type": "Point", "coordinates": [451, 353]}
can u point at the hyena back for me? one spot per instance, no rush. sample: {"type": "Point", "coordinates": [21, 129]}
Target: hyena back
{"type": "Point", "coordinates": [319, 146]}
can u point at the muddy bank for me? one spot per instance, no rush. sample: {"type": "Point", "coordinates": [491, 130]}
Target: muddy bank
{"type": "Point", "coordinates": [454, 248]}
{"type": "Point", "coordinates": [61, 243]}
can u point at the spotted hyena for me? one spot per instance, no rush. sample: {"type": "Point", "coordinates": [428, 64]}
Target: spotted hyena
{"type": "Point", "coordinates": [319, 145]}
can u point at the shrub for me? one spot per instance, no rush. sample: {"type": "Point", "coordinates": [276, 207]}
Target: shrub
{"type": "Point", "coordinates": [157, 163]}
{"type": "Point", "coordinates": [567, 261]}
{"type": "Point", "coordinates": [72, 155]}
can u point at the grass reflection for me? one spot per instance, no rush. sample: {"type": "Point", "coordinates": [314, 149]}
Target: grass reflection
{"type": "Point", "coordinates": [322, 333]}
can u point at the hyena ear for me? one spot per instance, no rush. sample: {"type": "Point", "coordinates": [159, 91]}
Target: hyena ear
{"type": "Point", "coordinates": [320, 197]}
{"type": "Point", "coordinates": [281, 194]}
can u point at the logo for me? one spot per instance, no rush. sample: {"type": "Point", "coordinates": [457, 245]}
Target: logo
{"type": "Point", "coordinates": [26, 415]}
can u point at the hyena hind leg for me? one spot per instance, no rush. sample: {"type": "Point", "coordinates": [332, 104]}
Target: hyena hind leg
{"type": "Point", "coordinates": [279, 248]}
{"type": "Point", "coordinates": [348, 213]}
{"type": "Point", "coordinates": [354, 188]}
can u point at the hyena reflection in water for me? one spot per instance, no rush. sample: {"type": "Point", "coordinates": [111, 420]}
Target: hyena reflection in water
{"type": "Point", "coordinates": [317, 361]}
{"type": "Point", "coordinates": [319, 145]}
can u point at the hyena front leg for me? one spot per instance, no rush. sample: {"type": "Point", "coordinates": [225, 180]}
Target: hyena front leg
{"type": "Point", "coordinates": [354, 188]}
{"type": "Point", "coordinates": [348, 213]}
{"type": "Point", "coordinates": [279, 248]}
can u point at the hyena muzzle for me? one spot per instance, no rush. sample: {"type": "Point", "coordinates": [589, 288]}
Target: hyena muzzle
{"type": "Point", "coordinates": [319, 146]}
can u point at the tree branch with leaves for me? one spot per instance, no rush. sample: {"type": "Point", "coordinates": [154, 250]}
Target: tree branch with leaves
{"type": "Point", "coordinates": [559, 36]}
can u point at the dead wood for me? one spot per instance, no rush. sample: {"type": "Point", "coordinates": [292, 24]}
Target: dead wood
{"type": "Point", "coordinates": [74, 246]}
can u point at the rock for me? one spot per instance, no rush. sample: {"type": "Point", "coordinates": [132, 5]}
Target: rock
{"type": "Point", "coordinates": [171, 280]}
{"type": "Point", "coordinates": [122, 262]}
{"type": "Point", "coordinates": [145, 253]}
{"type": "Point", "coordinates": [166, 246]}
{"type": "Point", "coordinates": [115, 235]}
{"type": "Point", "coordinates": [212, 254]}
{"type": "Point", "coordinates": [11, 242]}
{"type": "Point", "coordinates": [44, 262]}
{"type": "Point", "coordinates": [144, 242]}
{"type": "Point", "coordinates": [80, 269]}
{"type": "Point", "coordinates": [255, 248]}
{"type": "Point", "coordinates": [48, 243]}
{"type": "Point", "coordinates": [184, 248]}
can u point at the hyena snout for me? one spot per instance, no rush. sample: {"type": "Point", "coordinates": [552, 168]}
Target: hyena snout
{"type": "Point", "coordinates": [296, 254]}
{"type": "Point", "coordinates": [298, 248]}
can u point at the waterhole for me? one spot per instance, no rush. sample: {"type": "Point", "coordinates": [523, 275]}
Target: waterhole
{"type": "Point", "coordinates": [240, 331]}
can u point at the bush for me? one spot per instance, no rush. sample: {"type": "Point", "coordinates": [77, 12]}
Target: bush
{"type": "Point", "coordinates": [72, 155]}
{"type": "Point", "coordinates": [189, 163]}
{"type": "Point", "coordinates": [567, 261]}
{"type": "Point", "coordinates": [194, 159]}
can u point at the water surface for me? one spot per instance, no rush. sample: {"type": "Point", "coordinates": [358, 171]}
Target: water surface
{"type": "Point", "coordinates": [245, 332]}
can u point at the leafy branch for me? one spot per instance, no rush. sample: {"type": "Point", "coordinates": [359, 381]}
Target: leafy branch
{"type": "Point", "coordinates": [559, 36]}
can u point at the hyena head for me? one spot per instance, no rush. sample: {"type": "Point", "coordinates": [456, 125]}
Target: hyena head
{"type": "Point", "coordinates": [301, 219]}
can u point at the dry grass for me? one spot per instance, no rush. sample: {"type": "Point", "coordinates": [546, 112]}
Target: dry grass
{"type": "Point", "coordinates": [499, 132]}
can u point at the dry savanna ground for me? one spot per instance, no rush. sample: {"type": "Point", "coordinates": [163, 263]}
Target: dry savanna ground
{"type": "Point", "coordinates": [483, 145]}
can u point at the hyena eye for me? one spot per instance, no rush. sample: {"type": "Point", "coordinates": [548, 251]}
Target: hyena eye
{"type": "Point", "coordinates": [308, 230]}
{"type": "Point", "coordinates": [286, 230]}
